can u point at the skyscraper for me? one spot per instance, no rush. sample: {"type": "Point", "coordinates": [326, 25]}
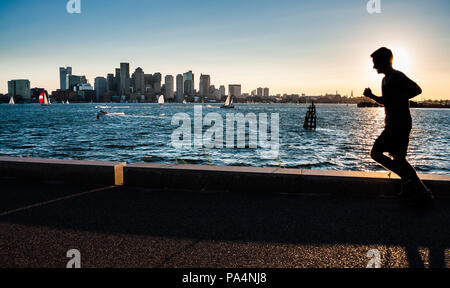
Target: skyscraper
{"type": "Point", "coordinates": [169, 91]}
{"type": "Point", "coordinates": [157, 78]}
{"type": "Point", "coordinates": [139, 80]}
{"type": "Point", "coordinates": [205, 83]}
{"type": "Point", "coordinates": [100, 87]}
{"type": "Point", "coordinates": [20, 90]}
{"type": "Point", "coordinates": [235, 90]}
{"type": "Point", "coordinates": [63, 72]}
{"type": "Point", "coordinates": [189, 83]}
{"type": "Point", "coordinates": [110, 83]}
{"type": "Point", "coordinates": [117, 82]}
{"type": "Point", "coordinates": [180, 88]}
{"type": "Point", "coordinates": [266, 92]}
{"type": "Point", "coordinates": [124, 79]}
{"type": "Point", "coordinates": [222, 91]}
{"type": "Point", "coordinates": [259, 92]}
{"type": "Point", "coordinates": [73, 80]}
{"type": "Point", "coordinates": [148, 80]}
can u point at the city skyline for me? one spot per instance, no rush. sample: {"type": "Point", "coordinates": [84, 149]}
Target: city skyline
{"type": "Point", "coordinates": [266, 45]}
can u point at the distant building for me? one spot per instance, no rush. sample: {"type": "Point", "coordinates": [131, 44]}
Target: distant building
{"type": "Point", "coordinates": [180, 88]}
{"type": "Point", "coordinates": [63, 72]}
{"type": "Point", "coordinates": [157, 79]}
{"type": "Point", "coordinates": [74, 80]}
{"type": "Point", "coordinates": [117, 87]}
{"type": "Point", "coordinates": [235, 91]}
{"type": "Point", "coordinates": [266, 92]}
{"type": "Point", "coordinates": [169, 88]}
{"type": "Point", "coordinates": [100, 88]}
{"type": "Point", "coordinates": [222, 91]}
{"type": "Point", "coordinates": [20, 90]}
{"type": "Point", "coordinates": [125, 79]}
{"type": "Point", "coordinates": [139, 80]}
{"type": "Point", "coordinates": [205, 83]}
{"type": "Point", "coordinates": [259, 92]}
{"type": "Point", "coordinates": [110, 84]}
{"type": "Point", "coordinates": [189, 83]}
{"type": "Point", "coordinates": [83, 87]}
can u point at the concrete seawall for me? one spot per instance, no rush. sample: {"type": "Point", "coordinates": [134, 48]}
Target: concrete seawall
{"type": "Point", "coordinates": [214, 178]}
{"type": "Point", "coordinates": [272, 180]}
{"type": "Point", "coordinates": [71, 171]}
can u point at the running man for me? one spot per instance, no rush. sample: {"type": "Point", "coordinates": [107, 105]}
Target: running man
{"type": "Point", "coordinates": [397, 90]}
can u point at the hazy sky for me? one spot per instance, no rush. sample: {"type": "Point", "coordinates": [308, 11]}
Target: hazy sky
{"type": "Point", "coordinates": [290, 46]}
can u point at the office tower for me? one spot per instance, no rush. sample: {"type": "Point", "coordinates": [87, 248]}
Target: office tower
{"type": "Point", "coordinates": [205, 82]}
{"type": "Point", "coordinates": [20, 90]}
{"type": "Point", "coordinates": [73, 80]}
{"type": "Point", "coordinates": [222, 91]}
{"type": "Point", "coordinates": [117, 82]}
{"type": "Point", "coordinates": [157, 78]}
{"type": "Point", "coordinates": [110, 83]}
{"type": "Point", "coordinates": [259, 92]}
{"type": "Point", "coordinates": [63, 72]}
{"type": "Point", "coordinates": [124, 79]}
{"type": "Point", "coordinates": [100, 88]}
{"type": "Point", "coordinates": [266, 92]}
{"type": "Point", "coordinates": [148, 83]}
{"type": "Point", "coordinates": [139, 80]}
{"type": "Point", "coordinates": [189, 83]}
{"type": "Point", "coordinates": [234, 90]}
{"type": "Point", "coordinates": [180, 88]}
{"type": "Point", "coordinates": [169, 87]}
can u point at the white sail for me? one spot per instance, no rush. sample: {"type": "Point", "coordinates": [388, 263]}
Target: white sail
{"type": "Point", "coordinates": [11, 101]}
{"type": "Point", "coordinates": [228, 102]}
{"type": "Point", "coordinates": [45, 100]}
{"type": "Point", "coordinates": [161, 100]}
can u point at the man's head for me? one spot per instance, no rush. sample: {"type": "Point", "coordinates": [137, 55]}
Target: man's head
{"type": "Point", "coordinates": [382, 60]}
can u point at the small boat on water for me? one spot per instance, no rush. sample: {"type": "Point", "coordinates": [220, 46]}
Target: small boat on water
{"type": "Point", "coordinates": [11, 101]}
{"type": "Point", "coordinates": [228, 103]}
{"type": "Point", "coordinates": [161, 100]}
{"type": "Point", "coordinates": [43, 99]}
{"type": "Point", "coordinates": [184, 101]}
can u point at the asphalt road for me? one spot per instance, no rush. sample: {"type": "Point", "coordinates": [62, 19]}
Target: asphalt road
{"type": "Point", "coordinates": [135, 227]}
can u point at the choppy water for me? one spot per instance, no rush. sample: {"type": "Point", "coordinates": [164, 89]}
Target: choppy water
{"type": "Point", "coordinates": [142, 132]}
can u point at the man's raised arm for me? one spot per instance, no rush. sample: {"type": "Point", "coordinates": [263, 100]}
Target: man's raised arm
{"type": "Point", "coordinates": [368, 93]}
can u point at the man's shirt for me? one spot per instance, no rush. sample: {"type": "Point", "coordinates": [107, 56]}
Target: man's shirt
{"type": "Point", "coordinates": [397, 90]}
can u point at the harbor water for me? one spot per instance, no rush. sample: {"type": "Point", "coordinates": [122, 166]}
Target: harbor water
{"type": "Point", "coordinates": [142, 133]}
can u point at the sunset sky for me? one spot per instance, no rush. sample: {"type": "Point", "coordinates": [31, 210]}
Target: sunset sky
{"type": "Point", "coordinates": [291, 46]}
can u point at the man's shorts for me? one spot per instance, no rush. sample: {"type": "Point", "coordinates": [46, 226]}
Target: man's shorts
{"type": "Point", "coordinates": [393, 140]}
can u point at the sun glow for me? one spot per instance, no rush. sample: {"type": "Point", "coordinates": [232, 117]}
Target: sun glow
{"type": "Point", "coordinates": [402, 60]}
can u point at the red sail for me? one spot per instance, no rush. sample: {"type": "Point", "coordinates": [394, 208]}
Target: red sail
{"type": "Point", "coordinates": [41, 98]}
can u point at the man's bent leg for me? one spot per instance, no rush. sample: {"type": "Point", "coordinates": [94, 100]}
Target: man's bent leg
{"type": "Point", "coordinates": [387, 162]}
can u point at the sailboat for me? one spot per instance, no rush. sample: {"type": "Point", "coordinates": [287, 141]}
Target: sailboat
{"type": "Point", "coordinates": [184, 101]}
{"type": "Point", "coordinates": [228, 103]}
{"type": "Point", "coordinates": [161, 100]}
{"type": "Point", "coordinates": [43, 100]}
{"type": "Point", "coordinates": [11, 100]}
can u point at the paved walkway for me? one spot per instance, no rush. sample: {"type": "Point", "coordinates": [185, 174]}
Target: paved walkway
{"type": "Point", "coordinates": [135, 227]}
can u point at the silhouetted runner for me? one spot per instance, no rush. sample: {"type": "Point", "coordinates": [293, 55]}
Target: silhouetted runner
{"type": "Point", "coordinates": [397, 91]}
